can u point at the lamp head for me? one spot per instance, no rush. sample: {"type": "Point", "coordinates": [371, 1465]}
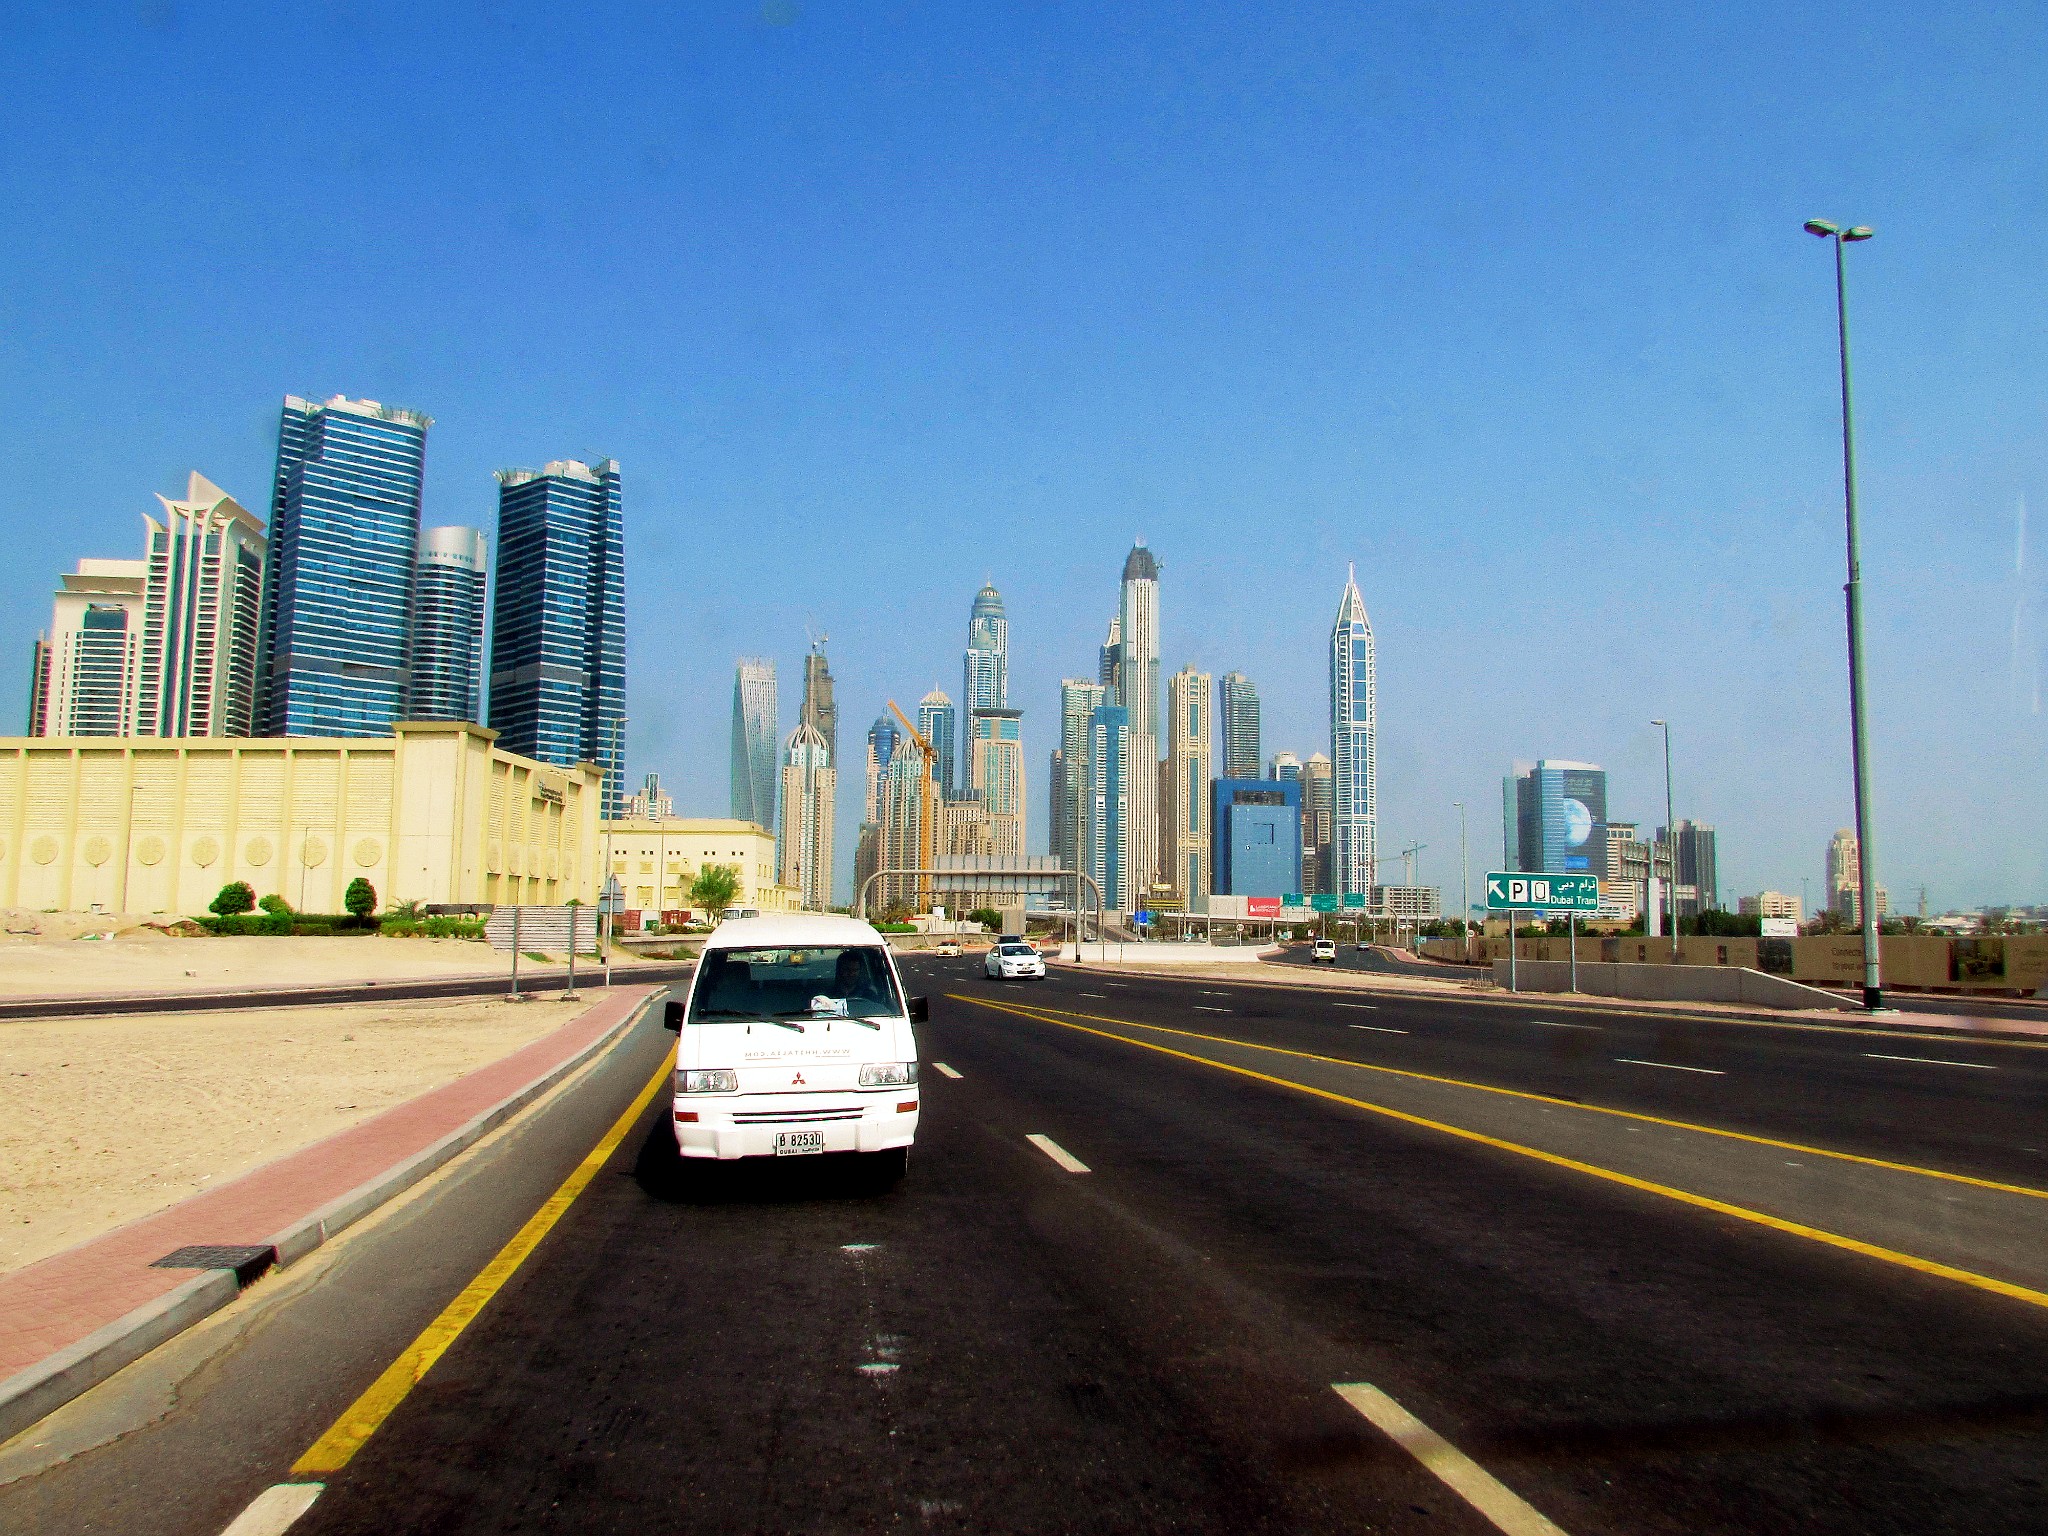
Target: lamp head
{"type": "Point", "coordinates": [1860, 232]}
{"type": "Point", "coordinates": [1822, 227]}
{"type": "Point", "coordinates": [1659, 722]}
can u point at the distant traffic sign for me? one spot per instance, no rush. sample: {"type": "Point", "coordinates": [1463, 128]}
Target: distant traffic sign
{"type": "Point", "coordinates": [1323, 903]}
{"type": "Point", "coordinates": [1354, 898]}
{"type": "Point", "coordinates": [1510, 891]}
{"type": "Point", "coordinates": [1294, 899]}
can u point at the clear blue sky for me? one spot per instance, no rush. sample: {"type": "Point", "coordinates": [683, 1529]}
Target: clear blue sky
{"type": "Point", "coordinates": [1509, 304]}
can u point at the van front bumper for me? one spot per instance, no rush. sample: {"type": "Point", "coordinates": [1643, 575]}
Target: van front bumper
{"type": "Point", "coordinates": [746, 1125]}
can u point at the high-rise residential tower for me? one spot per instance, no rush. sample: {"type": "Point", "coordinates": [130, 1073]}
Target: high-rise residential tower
{"type": "Point", "coordinates": [1844, 865]}
{"type": "Point", "coordinates": [986, 667]}
{"type": "Point", "coordinates": [1697, 879]}
{"type": "Point", "coordinates": [1354, 710]}
{"type": "Point", "coordinates": [1107, 850]}
{"type": "Point", "coordinates": [819, 712]}
{"type": "Point", "coordinates": [756, 717]}
{"type": "Point", "coordinates": [1109, 655]}
{"type": "Point", "coordinates": [558, 627]}
{"type": "Point", "coordinates": [1238, 705]}
{"type": "Point", "coordinates": [937, 722]}
{"type": "Point", "coordinates": [344, 546]}
{"type": "Point", "coordinates": [805, 844]}
{"type": "Point", "coordinates": [1079, 699]}
{"type": "Point", "coordinates": [1317, 823]}
{"type": "Point", "coordinates": [996, 771]}
{"type": "Point", "coordinates": [882, 738]}
{"type": "Point", "coordinates": [1285, 766]}
{"type": "Point", "coordinates": [448, 626]}
{"type": "Point", "coordinates": [1138, 694]}
{"type": "Point", "coordinates": [1189, 760]}
{"type": "Point", "coordinates": [85, 677]}
{"type": "Point", "coordinates": [202, 616]}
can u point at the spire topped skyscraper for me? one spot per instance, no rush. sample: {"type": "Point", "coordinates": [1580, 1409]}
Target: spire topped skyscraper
{"type": "Point", "coordinates": [1354, 801]}
{"type": "Point", "coordinates": [1138, 695]}
{"type": "Point", "coordinates": [986, 681]}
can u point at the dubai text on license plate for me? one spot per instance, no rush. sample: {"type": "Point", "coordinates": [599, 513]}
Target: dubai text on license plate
{"type": "Point", "coordinates": [796, 1143]}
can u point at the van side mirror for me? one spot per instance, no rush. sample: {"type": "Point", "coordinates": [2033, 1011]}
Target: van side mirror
{"type": "Point", "coordinates": [672, 1015]}
{"type": "Point", "coordinates": [920, 1010]}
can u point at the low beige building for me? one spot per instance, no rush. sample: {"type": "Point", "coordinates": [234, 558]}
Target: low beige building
{"type": "Point", "coordinates": [434, 812]}
{"type": "Point", "coordinates": [655, 860]}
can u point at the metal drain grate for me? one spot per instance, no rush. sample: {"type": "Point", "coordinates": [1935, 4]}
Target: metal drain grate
{"type": "Point", "coordinates": [247, 1260]}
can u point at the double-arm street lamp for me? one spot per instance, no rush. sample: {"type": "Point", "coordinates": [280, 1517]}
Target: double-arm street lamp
{"type": "Point", "coordinates": [1866, 853]}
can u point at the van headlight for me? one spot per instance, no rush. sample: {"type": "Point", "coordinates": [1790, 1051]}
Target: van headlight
{"type": "Point", "coordinates": [888, 1074]}
{"type": "Point", "coordinates": [707, 1080]}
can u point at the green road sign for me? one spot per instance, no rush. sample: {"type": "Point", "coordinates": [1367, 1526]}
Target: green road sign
{"type": "Point", "coordinates": [1354, 898]}
{"type": "Point", "coordinates": [1294, 899]}
{"type": "Point", "coordinates": [1323, 903]}
{"type": "Point", "coordinates": [1509, 890]}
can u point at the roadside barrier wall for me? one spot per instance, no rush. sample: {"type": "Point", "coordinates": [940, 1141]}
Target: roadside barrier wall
{"type": "Point", "coordinates": [1926, 962]}
{"type": "Point", "coordinates": [1669, 983]}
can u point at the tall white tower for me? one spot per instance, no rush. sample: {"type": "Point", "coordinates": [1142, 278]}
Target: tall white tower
{"type": "Point", "coordinates": [1138, 694]}
{"type": "Point", "coordinates": [1354, 709]}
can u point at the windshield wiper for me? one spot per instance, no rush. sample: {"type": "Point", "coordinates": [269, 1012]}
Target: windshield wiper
{"type": "Point", "coordinates": [751, 1018]}
{"type": "Point", "coordinates": [807, 1013]}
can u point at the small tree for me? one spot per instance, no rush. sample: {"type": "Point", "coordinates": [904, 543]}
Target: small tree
{"type": "Point", "coordinates": [714, 888]}
{"type": "Point", "coordinates": [988, 917]}
{"type": "Point", "coordinates": [360, 899]}
{"type": "Point", "coordinates": [235, 898]}
{"type": "Point", "coordinates": [276, 905]}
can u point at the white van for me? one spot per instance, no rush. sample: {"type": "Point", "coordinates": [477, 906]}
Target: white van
{"type": "Point", "coordinates": [796, 1039]}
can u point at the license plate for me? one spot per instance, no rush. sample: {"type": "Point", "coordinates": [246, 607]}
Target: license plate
{"type": "Point", "coordinates": [798, 1143]}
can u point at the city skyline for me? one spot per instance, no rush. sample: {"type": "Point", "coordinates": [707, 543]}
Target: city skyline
{"type": "Point", "coordinates": [1230, 329]}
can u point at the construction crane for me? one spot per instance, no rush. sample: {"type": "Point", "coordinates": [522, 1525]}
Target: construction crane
{"type": "Point", "coordinates": [928, 804]}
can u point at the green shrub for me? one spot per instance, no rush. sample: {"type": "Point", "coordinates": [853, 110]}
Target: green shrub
{"type": "Point", "coordinates": [432, 927]}
{"type": "Point", "coordinates": [360, 898]}
{"type": "Point", "coordinates": [275, 905]}
{"type": "Point", "coordinates": [236, 897]}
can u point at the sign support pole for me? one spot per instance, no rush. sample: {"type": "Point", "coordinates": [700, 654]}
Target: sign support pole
{"type": "Point", "coordinates": [1573, 919]}
{"type": "Point", "coordinates": [1511, 949]}
{"type": "Point", "coordinates": [515, 954]}
{"type": "Point", "coordinates": [574, 913]}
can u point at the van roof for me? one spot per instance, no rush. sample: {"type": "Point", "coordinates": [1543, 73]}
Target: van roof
{"type": "Point", "coordinates": [809, 929]}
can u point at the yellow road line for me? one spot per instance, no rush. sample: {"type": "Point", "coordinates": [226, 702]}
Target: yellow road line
{"type": "Point", "coordinates": [1545, 1098]}
{"type": "Point", "coordinates": [361, 1419]}
{"type": "Point", "coordinates": [1682, 1196]}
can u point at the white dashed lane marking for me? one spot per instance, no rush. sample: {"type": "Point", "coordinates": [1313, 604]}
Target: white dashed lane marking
{"type": "Point", "coordinates": [943, 1070]}
{"type": "Point", "coordinates": [1670, 1066]}
{"type": "Point", "coordinates": [1378, 1029]}
{"type": "Point", "coordinates": [1932, 1061]}
{"type": "Point", "coordinates": [1501, 1505]}
{"type": "Point", "coordinates": [273, 1510]}
{"type": "Point", "coordinates": [1057, 1153]}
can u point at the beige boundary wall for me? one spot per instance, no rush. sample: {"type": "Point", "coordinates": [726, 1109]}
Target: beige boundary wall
{"type": "Point", "coordinates": [434, 812]}
{"type": "Point", "coordinates": [1921, 961]}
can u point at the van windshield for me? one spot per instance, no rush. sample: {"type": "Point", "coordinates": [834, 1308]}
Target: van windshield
{"type": "Point", "coordinates": [827, 982]}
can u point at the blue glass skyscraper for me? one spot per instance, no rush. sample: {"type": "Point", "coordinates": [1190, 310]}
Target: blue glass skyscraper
{"type": "Point", "coordinates": [338, 592]}
{"type": "Point", "coordinates": [558, 633]}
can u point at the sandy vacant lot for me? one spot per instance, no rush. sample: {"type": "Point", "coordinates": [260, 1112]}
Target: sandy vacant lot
{"type": "Point", "coordinates": [104, 1120]}
{"type": "Point", "coordinates": [139, 960]}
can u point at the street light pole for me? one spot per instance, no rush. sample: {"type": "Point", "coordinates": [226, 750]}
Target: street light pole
{"type": "Point", "coordinates": [617, 765]}
{"type": "Point", "coordinates": [1852, 591]}
{"type": "Point", "coordinates": [1671, 841]}
{"type": "Point", "coordinates": [1464, 884]}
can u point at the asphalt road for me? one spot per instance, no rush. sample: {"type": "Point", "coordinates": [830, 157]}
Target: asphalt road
{"type": "Point", "coordinates": [1282, 1196]}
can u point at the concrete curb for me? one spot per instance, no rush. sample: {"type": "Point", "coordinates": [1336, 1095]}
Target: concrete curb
{"type": "Point", "coordinates": [48, 1385]}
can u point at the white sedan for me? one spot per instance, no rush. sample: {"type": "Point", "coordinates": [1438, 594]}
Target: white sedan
{"type": "Point", "coordinates": [1007, 960]}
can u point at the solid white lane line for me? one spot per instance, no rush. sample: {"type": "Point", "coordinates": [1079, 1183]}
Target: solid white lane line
{"type": "Point", "coordinates": [1378, 1029]}
{"type": "Point", "coordinates": [1205, 1008]}
{"type": "Point", "coordinates": [1104, 996]}
{"type": "Point", "coordinates": [1558, 1024]}
{"type": "Point", "coordinates": [943, 1070]}
{"type": "Point", "coordinates": [1932, 1061]}
{"type": "Point", "coordinates": [1057, 1153]}
{"type": "Point", "coordinates": [274, 1509]}
{"type": "Point", "coordinates": [1361, 1007]}
{"type": "Point", "coordinates": [1670, 1066]}
{"type": "Point", "coordinates": [1451, 1466]}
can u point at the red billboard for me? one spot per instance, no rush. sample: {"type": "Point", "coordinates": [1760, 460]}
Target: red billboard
{"type": "Point", "coordinates": [1262, 906]}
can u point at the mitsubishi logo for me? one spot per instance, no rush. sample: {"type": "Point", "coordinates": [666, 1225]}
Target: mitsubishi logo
{"type": "Point", "coordinates": [797, 1081]}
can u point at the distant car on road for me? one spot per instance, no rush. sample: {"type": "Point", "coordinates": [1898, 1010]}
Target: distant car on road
{"type": "Point", "coordinates": [1325, 951]}
{"type": "Point", "coordinates": [948, 949]}
{"type": "Point", "coordinates": [796, 1038]}
{"type": "Point", "coordinates": [1013, 957]}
